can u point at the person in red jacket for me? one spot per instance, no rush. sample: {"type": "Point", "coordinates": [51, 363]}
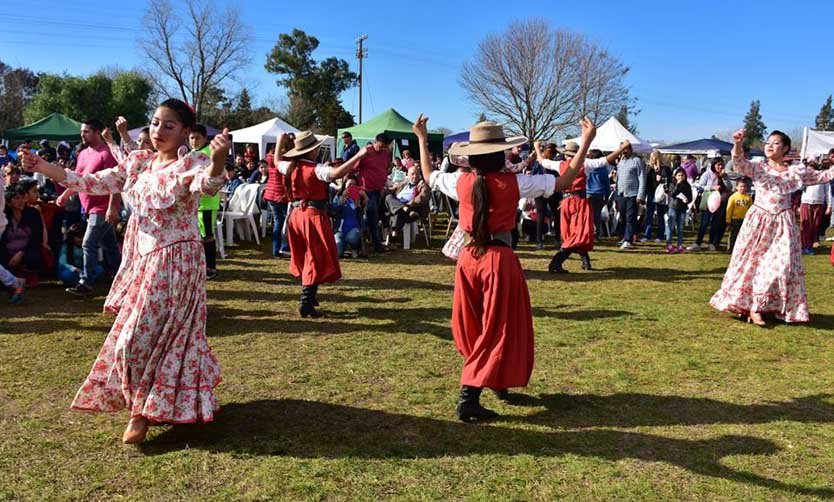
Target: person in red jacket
{"type": "Point", "coordinates": [313, 255]}
{"type": "Point", "coordinates": [276, 196]}
{"type": "Point", "coordinates": [492, 322]}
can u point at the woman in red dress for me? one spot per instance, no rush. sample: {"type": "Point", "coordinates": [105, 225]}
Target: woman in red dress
{"type": "Point", "coordinates": [313, 256]}
{"type": "Point", "coordinates": [492, 322]}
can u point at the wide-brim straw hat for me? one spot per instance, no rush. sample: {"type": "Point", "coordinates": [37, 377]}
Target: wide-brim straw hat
{"type": "Point", "coordinates": [486, 137]}
{"type": "Point", "coordinates": [571, 148]}
{"type": "Point", "coordinates": [304, 142]}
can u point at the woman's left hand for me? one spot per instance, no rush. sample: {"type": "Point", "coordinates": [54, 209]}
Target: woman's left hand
{"type": "Point", "coordinates": [220, 147]}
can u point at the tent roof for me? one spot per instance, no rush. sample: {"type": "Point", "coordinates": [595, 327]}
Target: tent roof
{"type": "Point", "coordinates": [452, 138]}
{"type": "Point", "coordinates": [253, 134]}
{"type": "Point", "coordinates": [55, 126]}
{"type": "Point", "coordinates": [705, 145]}
{"type": "Point", "coordinates": [389, 121]}
{"type": "Point", "coordinates": [611, 134]}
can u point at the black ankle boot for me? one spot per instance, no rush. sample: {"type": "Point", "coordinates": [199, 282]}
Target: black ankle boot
{"type": "Point", "coordinates": [555, 266]}
{"type": "Point", "coordinates": [586, 262]}
{"type": "Point", "coordinates": [469, 408]}
{"type": "Point", "coordinates": [502, 394]}
{"type": "Point", "coordinates": [308, 307]}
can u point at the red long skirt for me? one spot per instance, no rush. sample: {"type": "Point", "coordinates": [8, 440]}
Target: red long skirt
{"type": "Point", "coordinates": [492, 322]}
{"type": "Point", "coordinates": [313, 255]}
{"type": "Point", "coordinates": [577, 221]}
{"type": "Point", "coordinates": [810, 220]}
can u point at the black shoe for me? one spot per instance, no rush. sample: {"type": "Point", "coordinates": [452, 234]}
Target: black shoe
{"type": "Point", "coordinates": [80, 289]}
{"type": "Point", "coordinates": [586, 263]}
{"type": "Point", "coordinates": [502, 395]}
{"type": "Point", "coordinates": [310, 312]}
{"type": "Point", "coordinates": [556, 268]}
{"type": "Point", "coordinates": [469, 408]}
{"type": "Point", "coordinates": [211, 274]}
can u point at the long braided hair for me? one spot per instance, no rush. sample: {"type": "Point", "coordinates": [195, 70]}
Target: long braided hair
{"type": "Point", "coordinates": [481, 165]}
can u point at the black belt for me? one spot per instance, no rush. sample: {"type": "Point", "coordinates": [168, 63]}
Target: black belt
{"type": "Point", "coordinates": [321, 205]}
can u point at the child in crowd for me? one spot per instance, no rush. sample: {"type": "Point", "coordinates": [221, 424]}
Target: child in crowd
{"type": "Point", "coordinates": [680, 195]}
{"type": "Point", "coordinates": [71, 257]}
{"type": "Point", "coordinates": [8, 279]}
{"type": "Point", "coordinates": [348, 203]}
{"type": "Point", "coordinates": [737, 207]}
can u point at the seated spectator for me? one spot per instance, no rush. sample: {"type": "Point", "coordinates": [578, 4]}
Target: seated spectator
{"type": "Point", "coordinates": [48, 153]}
{"type": "Point", "coordinates": [240, 166]}
{"type": "Point", "coordinates": [250, 170]}
{"type": "Point", "coordinates": [71, 257]}
{"type": "Point", "coordinates": [348, 204]}
{"type": "Point", "coordinates": [232, 181]}
{"type": "Point", "coordinates": [408, 160]}
{"type": "Point", "coordinates": [259, 174]}
{"type": "Point", "coordinates": [409, 200]}
{"type": "Point", "coordinates": [11, 174]}
{"type": "Point", "coordinates": [250, 154]}
{"type": "Point", "coordinates": [5, 157]}
{"type": "Point", "coordinates": [64, 151]}
{"type": "Point", "coordinates": [21, 242]}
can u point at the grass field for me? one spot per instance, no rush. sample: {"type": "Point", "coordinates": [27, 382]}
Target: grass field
{"type": "Point", "coordinates": [640, 392]}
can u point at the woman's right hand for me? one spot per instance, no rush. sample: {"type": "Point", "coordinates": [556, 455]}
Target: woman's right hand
{"type": "Point", "coordinates": [30, 161]}
{"type": "Point", "coordinates": [738, 136]}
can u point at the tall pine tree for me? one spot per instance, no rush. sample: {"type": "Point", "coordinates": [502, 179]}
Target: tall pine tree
{"type": "Point", "coordinates": [825, 118]}
{"type": "Point", "coordinates": [754, 127]}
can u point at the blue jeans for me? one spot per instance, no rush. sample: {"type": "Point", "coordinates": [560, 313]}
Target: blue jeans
{"type": "Point", "coordinates": [706, 219]}
{"type": "Point", "coordinates": [353, 238]}
{"type": "Point", "coordinates": [71, 278]}
{"type": "Point", "coordinates": [628, 207]}
{"type": "Point", "coordinates": [649, 219]}
{"type": "Point", "coordinates": [661, 210]}
{"type": "Point", "coordinates": [676, 220]}
{"type": "Point", "coordinates": [279, 215]}
{"type": "Point", "coordinates": [372, 218]}
{"type": "Point", "coordinates": [99, 234]}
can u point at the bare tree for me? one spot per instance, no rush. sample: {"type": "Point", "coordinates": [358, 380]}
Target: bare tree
{"type": "Point", "coordinates": [190, 57]}
{"type": "Point", "coordinates": [539, 81]}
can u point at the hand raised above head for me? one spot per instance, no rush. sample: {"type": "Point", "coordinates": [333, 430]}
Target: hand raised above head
{"type": "Point", "coordinates": [121, 125]}
{"type": "Point", "coordinates": [220, 147]}
{"type": "Point", "coordinates": [738, 136]}
{"type": "Point", "coordinates": [419, 127]}
{"type": "Point", "coordinates": [589, 130]}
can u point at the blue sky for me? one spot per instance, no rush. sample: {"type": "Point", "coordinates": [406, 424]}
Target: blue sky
{"type": "Point", "coordinates": [695, 65]}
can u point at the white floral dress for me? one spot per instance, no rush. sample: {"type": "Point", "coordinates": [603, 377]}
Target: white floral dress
{"type": "Point", "coordinates": [156, 360]}
{"type": "Point", "coordinates": [765, 274]}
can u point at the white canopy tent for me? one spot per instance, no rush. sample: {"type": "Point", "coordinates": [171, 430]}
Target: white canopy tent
{"type": "Point", "coordinates": [269, 131]}
{"type": "Point", "coordinates": [816, 142]}
{"type": "Point", "coordinates": [611, 134]}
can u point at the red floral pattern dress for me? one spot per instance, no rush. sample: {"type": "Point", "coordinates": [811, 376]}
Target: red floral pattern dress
{"type": "Point", "coordinates": [765, 274]}
{"type": "Point", "coordinates": [156, 360]}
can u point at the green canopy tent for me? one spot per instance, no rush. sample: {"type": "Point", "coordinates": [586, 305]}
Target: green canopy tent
{"type": "Point", "coordinates": [398, 129]}
{"type": "Point", "coordinates": [54, 127]}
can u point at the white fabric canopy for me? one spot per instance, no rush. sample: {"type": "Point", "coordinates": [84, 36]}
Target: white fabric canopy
{"type": "Point", "coordinates": [263, 133]}
{"type": "Point", "coordinates": [611, 134]}
{"type": "Point", "coordinates": [816, 143]}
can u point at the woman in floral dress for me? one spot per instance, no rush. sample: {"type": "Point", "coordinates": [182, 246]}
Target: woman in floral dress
{"type": "Point", "coordinates": [765, 274]}
{"type": "Point", "coordinates": [156, 361]}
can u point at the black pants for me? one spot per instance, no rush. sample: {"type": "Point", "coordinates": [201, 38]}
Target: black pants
{"type": "Point", "coordinates": [542, 203]}
{"type": "Point", "coordinates": [735, 226]}
{"type": "Point", "coordinates": [597, 203]}
{"type": "Point", "coordinates": [628, 212]}
{"type": "Point", "coordinates": [209, 244]}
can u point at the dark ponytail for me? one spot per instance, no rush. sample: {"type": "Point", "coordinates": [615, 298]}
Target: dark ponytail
{"type": "Point", "coordinates": [482, 164]}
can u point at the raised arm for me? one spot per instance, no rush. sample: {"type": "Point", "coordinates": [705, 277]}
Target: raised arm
{"type": "Point", "coordinates": [103, 182]}
{"type": "Point", "coordinates": [589, 132]}
{"type": "Point", "coordinates": [345, 169]}
{"type": "Point", "coordinates": [421, 131]}
{"type": "Point", "coordinates": [741, 164]}
{"type": "Point", "coordinates": [613, 156]}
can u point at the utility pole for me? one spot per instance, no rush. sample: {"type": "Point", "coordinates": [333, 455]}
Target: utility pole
{"type": "Point", "coordinates": [361, 53]}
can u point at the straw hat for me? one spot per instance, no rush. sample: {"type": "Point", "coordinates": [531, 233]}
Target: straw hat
{"type": "Point", "coordinates": [304, 142]}
{"type": "Point", "coordinates": [571, 148]}
{"type": "Point", "coordinates": [486, 137]}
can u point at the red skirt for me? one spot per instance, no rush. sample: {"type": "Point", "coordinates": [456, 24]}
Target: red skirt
{"type": "Point", "coordinates": [577, 224]}
{"type": "Point", "coordinates": [313, 255]}
{"type": "Point", "coordinates": [492, 322]}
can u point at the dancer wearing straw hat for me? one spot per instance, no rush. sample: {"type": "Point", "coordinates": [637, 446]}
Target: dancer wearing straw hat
{"type": "Point", "coordinates": [313, 256]}
{"type": "Point", "coordinates": [492, 322]}
{"type": "Point", "coordinates": [577, 218]}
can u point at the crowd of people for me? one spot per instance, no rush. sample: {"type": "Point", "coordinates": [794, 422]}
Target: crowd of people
{"type": "Point", "coordinates": [145, 211]}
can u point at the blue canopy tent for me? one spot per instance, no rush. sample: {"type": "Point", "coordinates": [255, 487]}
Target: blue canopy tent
{"type": "Point", "coordinates": [448, 140]}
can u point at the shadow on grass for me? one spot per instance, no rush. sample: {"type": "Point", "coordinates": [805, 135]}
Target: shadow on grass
{"type": "Point", "coordinates": [656, 274]}
{"type": "Point", "coordinates": [647, 410]}
{"type": "Point", "coordinates": [309, 429]}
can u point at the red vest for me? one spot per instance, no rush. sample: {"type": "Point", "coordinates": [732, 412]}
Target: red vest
{"type": "Point", "coordinates": [305, 184]}
{"type": "Point", "coordinates": [502, 189]}
{"type": "Point", "coordinates": [275, 191]}
{"type": "Point", "coordinates": [579, 182]}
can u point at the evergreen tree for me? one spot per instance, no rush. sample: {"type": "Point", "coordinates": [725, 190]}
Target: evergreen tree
{"type": "Point", "coordinates": [754, 127]}
{"type": "Point", "coordinates": [622, 117]}
{"type": "Point", "coordinates": [825, 119]}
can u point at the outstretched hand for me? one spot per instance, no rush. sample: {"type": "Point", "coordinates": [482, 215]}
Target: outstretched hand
{"type": "Point", "coordinates": [419, 127]}
{"type": "Point", "coordinates": [29, 160]}
{"type": "Point", "coordinates": [107, 135]}
{"type": "Point", "coordinates": [121, 125]}
{"type": "Point", "coordinates": [589, 130]}
{"type": "Point", "coordinates": [738, 136]}
{"type": "Point", "coordinates": [220, 147]}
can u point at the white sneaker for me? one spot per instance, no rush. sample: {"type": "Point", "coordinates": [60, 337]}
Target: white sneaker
{"type": "Point", "coordinates": [627, 245]}
{"type": "Point", "coordinates": [658, 240]}
{"type": "Point", "coordinates": [644, 239]}
{"type": "Point", "coordinates": [694, 247]}
{"type": "Point", "coordinates": [712, 247]}
{"type": "Point", "coordinates": [354, 253]}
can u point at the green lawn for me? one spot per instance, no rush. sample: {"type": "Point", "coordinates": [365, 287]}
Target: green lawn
{"type": "Point", "coordinates": [641, 392]}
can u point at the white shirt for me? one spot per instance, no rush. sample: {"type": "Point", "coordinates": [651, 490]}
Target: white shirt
{"type": "Point", "coordinates": [322, 171]}
{"type": "Point", "coordinates": [540, 185]}
{"type": "Point", "coordinates": [553, 165]}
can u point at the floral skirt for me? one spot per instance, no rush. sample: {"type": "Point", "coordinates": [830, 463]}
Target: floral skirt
{"type": "Point", "coordinates": [156, 361]}
{"type": "Point", "coordinates": [765, 274]}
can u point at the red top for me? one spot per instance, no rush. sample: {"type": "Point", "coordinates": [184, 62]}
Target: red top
{"type": "Point", "coordinates": [305, 184]}
{"type": "Point", "coordinates": [92, 160]}
{"type": "Point", "coordinates": [502, 189]}
{"type": "Point", "coordinates": [578, 184]}
{"type": "Point", "coordinates": [275, 190]}
{"type": "Point", "coordinates": [373, 169]}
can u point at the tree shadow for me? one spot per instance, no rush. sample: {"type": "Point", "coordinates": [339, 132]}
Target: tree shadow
{"type": "Point", "coordinates": [308, 429]}
{"type": "Point", "coordinates": [644, 410]}
{"type": "Point", "coordinates": [655, 274]}
{"type": "Point", "coordinates": [580, 315]}
{"type": "Point", "coordinates": [393, 283]}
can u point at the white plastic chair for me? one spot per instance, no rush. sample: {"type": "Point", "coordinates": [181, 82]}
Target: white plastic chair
{"type": "Point", "coordinates": [243, 206]}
